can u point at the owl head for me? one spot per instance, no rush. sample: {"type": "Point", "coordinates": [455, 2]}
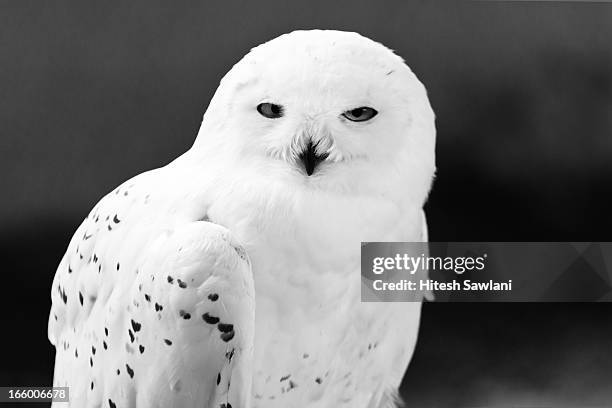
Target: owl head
{"type": "Point", "coordinates": [326, 110]}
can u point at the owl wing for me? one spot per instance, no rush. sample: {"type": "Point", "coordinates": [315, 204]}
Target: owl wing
{"type": "Point", "coordinates": [152, 309]}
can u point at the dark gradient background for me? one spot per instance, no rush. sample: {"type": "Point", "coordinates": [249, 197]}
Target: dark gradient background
{"type": "Point", "coordinates": [92, 94]}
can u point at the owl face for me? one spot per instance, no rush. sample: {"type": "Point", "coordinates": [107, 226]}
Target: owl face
{"type": "Point", "coordinates": [324, 107]}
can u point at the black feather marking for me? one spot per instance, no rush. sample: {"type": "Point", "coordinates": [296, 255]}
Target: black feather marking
{"type": "Point", "coordinates": [141, 348]}
{"type": "Point", "coordinates": [158, 307]}
{"type": "Point", "coordinates": [116, 220]}
{"type": "Point", "coordinates": [225, 327]}
{"type": "Point", "coordinates": [168, 342]}
{"type": "Point", "coordinates": [129, 371]}
{"type": "Point", "coordinates": [81, 298]}
{"type": "Point", "coordinates": [210, 319]}
{"type": "Point", "coordinates": [131, 335]}
{"type": "Point", "coordinates": [227, 336]}
{"type": "Point", "coordinates": [111, 404]}
{"type": "Point", "coordinates": [181, 284]}
{"type": "Point", "coordinates": [170, 279]}
{"type": "Point", "coordinates": [218, 378]}
{"type": "Point", "coordinates": [213, 297]}
{"type": "Point", "coordinates": [184, 315]}
{"type": "Point", "coordinates": [136, 326]}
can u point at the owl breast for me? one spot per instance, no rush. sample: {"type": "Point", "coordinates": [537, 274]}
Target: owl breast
{"type": "Point", "coordinates": [316, 343]}
{"type": "Point", "coordinates": [330, 350]}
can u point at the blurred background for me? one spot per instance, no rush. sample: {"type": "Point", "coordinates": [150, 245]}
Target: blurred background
{"type": "Point", "coordinates": [92, 94]}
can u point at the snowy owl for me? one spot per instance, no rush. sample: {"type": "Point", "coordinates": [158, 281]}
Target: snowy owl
{"type": "Point", "coordinates": [230, 278]}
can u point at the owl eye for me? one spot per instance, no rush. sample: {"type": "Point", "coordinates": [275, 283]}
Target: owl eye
{"type": "Point", "coordinates": [360, 114]}
{"type": "Point", "coordinates": [270, 110]}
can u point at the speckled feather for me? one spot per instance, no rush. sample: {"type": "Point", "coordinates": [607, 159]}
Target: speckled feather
{"type": "Point", "coordinates": [229, 278]}
{"type": "Point", "coordinates": [147, 288]}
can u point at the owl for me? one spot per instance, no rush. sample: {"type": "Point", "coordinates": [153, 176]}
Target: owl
{"type": "Point", "coordinates": [230, 278]}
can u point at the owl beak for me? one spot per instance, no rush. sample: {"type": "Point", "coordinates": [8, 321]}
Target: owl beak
{"type": "Point", "coordinates": [310, 158]}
